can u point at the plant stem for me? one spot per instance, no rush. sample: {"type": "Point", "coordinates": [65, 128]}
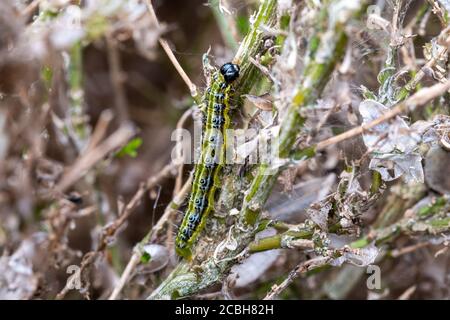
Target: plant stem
{"type": "Point", "coordinates": [332, 43]}
{"type": "Point", "coordinates": [183, 281]}
{"type": "Point", "coordinates": [227, 25]}
{"type": "Point", "coordinates": [331, 46]}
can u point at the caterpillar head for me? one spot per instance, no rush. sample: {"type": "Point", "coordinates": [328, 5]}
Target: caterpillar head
{"type": "Point", "coordinates": [230, 72]}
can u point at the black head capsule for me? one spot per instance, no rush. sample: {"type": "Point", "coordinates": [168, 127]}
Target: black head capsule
{"type": "Point", "coordinates": [230, 72]}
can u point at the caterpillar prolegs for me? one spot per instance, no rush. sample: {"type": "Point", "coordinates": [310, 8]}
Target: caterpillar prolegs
{"type": "Point", "coordinates": [216, 121]}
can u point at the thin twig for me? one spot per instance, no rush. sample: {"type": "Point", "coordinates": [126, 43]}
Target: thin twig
{"type": "Point", "coordinates": [418, 99]}
{"type": "Point", "coordinates": [135, 258]}
{"type": "Point", "coordinates": [117, 79]}
{"type": "Point", "coordinates": [110, 230]}
{"type": "Point", "coordinates": [408, 293]}
{"type": "Point", "coordinates": [100, 130]}
{"type": "Point", "coordinates": [136, 200]}
{"type": "Point", "coordinates": [405, 250]}
{"type": "Point", "coordinates": [179, 150]}
{"type": "Point", "coordinates": [439, 12]}
{"type": "Point", "coordinates": [170, 209]}
{"type": "Point", "coordinates": [433, 225]}
{"type": "Point", "coordinates": [132, 263]}
{"type": "Point", "coordinates": [88, 160]}
{"type": "Point", "coordinates": [30, 8]}
{"type": "Point", "coordinates": [442, 51]}
{"type": "Point", "coordinates": [165, 45]}
{"type": "Point", "coordinates": [300, 269]}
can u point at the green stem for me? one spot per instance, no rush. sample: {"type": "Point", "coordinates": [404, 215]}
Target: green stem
{"type": "Point", "coordinates": [436, 222]}
{"type": "Point", "coordinates": [184, 279]}
{"type": "Point", "coordinates": [317, 70]}
{"type": "Point", "coordinates": [316, 73]}
{"type": "Point", "coordinates": [224, 25]}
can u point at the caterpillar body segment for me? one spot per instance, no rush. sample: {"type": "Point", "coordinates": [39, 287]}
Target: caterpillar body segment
{"type": "Point", "coordinates": [207, 172]}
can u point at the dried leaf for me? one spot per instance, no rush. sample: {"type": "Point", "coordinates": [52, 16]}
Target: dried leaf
{"type": "Point", "coordinates": [358, 257]}
{"type": "Point", "coordinates": [17, 278]}
{"type": "Point", "coordinates": [263, 102]}
{"type": "Point", "coordinates": [393, 145]}
{"type": "Point", "coordinates": [158, 258]}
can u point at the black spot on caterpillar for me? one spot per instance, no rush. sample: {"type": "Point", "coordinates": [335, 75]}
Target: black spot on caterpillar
{"type": "Point", "coordinates": [216, 121]}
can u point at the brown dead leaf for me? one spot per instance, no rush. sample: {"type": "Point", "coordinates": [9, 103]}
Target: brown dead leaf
{"type": "Point", "coordinates": [263, 102]}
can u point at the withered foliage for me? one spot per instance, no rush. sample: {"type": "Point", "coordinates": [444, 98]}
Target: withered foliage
{"type": "Point", "coordinates": [88, 103]}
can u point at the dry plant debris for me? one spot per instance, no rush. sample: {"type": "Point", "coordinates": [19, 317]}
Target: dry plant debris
{"type": "Point", "coordinates": [93, 185]}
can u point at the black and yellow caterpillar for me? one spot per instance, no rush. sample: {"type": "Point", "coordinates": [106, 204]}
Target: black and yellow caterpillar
{"type": "Point", "coordinates": [206, 180]}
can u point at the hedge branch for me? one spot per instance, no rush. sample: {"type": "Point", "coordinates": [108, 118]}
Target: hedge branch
{"type": "Point", "coordinates": [331, 44]}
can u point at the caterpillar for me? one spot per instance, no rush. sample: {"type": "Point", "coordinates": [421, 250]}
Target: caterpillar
{"type": "Point", "coordinates": [206, 179]}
